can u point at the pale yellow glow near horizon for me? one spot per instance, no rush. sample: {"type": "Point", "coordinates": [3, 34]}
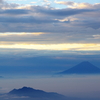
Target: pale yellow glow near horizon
{"type": "Point", "coordinates": [21, 33]}
{"type": "Point", "coordinates": [72, 46]}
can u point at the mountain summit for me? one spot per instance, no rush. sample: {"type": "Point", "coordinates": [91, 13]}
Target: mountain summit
{"type": "Point", "coordinates": [34, 94]}
{"type": "Point", "coordinates": [82, 68]}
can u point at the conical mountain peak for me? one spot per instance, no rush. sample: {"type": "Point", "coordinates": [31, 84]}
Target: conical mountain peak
{"type": "Point", "coordinates": [83, 68]}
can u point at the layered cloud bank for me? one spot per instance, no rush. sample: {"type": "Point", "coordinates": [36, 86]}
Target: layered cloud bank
{"type": "Point", "coordinates": [76, 26]}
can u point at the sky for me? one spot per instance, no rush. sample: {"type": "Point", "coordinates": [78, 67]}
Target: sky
{"type": "Point", "coordinates": [47, 36]}
{"type": "Point", "coordinates": [50, 25]}
{"type": "Point", "coordinates": [52, 30]}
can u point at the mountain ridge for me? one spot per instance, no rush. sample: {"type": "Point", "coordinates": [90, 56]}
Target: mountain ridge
{"type": "Point", "coordinates": [82, 68]}
{"type": "Point", "coordinates": [34, 93]}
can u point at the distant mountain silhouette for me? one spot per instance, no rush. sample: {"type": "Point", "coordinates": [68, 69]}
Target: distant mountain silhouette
{"type": "Point", "coordinates": [33, 93]}
{"type": "Point", "coordinates": [82, 68]}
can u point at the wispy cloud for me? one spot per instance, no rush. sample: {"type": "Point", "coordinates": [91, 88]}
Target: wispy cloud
{"type": "Point", "coordinates": [50, 28]}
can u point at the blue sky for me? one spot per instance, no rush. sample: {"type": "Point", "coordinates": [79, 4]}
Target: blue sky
{"type": "Point", "coordinates": [50, 2]}
{"type": "Point", "coordinates": [39, 1]}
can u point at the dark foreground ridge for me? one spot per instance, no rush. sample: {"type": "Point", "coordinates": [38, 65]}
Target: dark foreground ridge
{"type": "Point", "coordinates": [82, 68]}
{"type": "Point", "coordinates": [27, 93]}
{"type": "Point", "coordinates": [32, 94]}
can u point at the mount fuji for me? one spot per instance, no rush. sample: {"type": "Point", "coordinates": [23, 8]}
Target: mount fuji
{"type": "Point", "coordinates": [82, 68]}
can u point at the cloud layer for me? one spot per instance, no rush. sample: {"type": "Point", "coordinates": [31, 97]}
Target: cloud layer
{"type": "Point", "coordinates": [78, 23]}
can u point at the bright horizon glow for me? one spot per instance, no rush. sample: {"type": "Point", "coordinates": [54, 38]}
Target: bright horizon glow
{"type": "Point", "coordinates": [21, 33]}
{"type": "Point", "coordinates": [73, 46]}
